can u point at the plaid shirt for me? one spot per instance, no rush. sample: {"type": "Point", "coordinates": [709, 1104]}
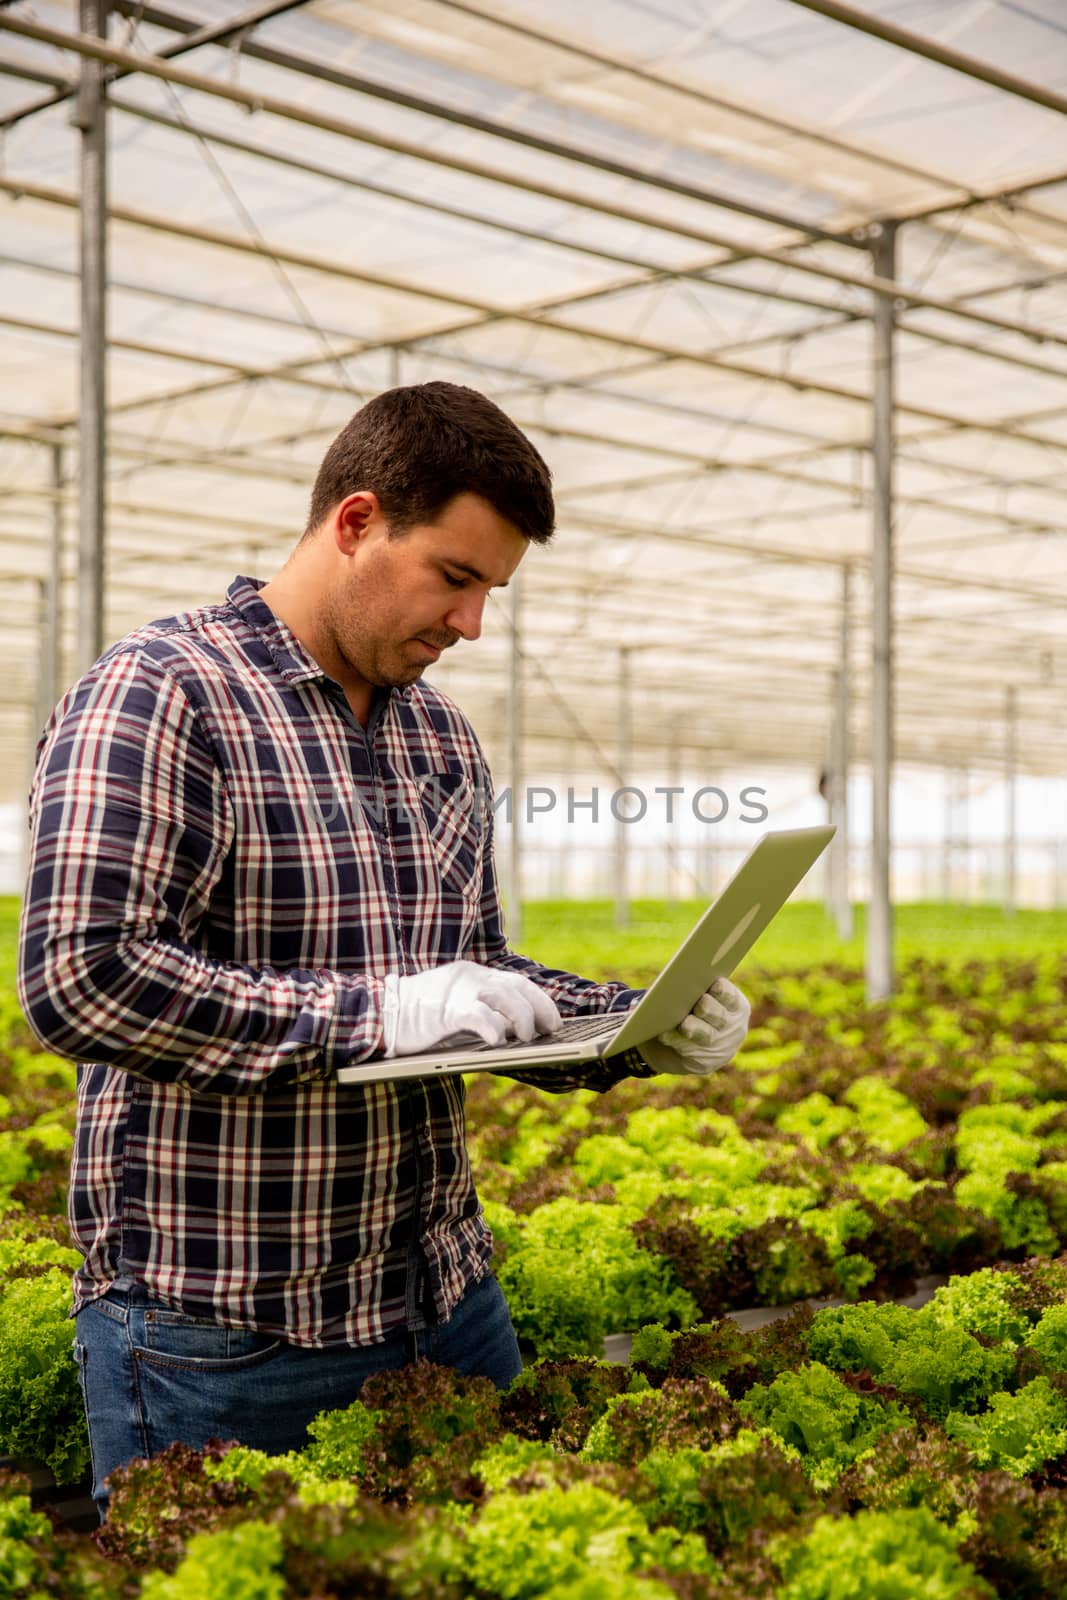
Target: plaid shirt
{"type": "Point", "coordinates": [224, 864]}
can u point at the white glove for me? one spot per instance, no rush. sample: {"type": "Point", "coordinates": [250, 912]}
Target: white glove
{"type": "Point", "coordinates": [462, 997]}
{"type": "Point", "coordinates": [708, 1037]}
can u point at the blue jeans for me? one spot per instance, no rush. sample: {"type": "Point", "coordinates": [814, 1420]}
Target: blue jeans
{"type": "Point", "coordinates": [152, 1376]}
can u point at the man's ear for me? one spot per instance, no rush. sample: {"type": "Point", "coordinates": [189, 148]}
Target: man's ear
{"type": "Point", "coordinates": [354, 518]}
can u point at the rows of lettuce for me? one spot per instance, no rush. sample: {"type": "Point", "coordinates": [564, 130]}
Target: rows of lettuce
{"type": "Point", "coordinates": [867, 1450]}
{"type": "Point", "coordinates": [848, 1151]}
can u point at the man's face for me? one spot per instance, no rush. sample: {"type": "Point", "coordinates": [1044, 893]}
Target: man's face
{"type": "Point", "coordinates": [400, 601]}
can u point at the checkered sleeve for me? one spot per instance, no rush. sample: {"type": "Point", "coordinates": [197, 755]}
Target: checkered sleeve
{"type": "Point", "coordinates": [130, 829]}
{"type": "Point", "coordinates": [574, 996]}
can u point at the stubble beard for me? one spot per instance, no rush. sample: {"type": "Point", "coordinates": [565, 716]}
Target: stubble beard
{"type": "Point", "coordinates": [377, 662]}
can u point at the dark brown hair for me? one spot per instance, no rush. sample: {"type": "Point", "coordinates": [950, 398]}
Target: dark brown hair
{"type": "Point", "coordinates": [418, 448]}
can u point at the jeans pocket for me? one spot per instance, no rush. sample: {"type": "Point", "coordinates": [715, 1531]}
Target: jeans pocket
{"type": "Point", "coordinates": [174, 1339]}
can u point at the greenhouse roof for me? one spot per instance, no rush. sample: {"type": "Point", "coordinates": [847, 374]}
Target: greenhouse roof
{"type": "Point", "coordinates": [648, 229]}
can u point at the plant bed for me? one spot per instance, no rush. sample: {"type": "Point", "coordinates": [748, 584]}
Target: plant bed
{"type": "Point", "coordinates": [848, 1151]}
{"type": "Point", "coordinates": [70, 1504]}
{"type": "Point", "coordinates": [855, 1451]}
{"type": "Point", "coordinates": [618, 1346]}
{"type": "Point", "coordinates": [753, 1445]}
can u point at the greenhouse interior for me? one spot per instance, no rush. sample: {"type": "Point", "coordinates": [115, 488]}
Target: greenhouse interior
{"type": "Point", "coordinates": [290, 1303]}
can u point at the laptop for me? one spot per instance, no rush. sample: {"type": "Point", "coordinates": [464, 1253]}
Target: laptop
{"type": "Point", "coordinates": [726, 932]}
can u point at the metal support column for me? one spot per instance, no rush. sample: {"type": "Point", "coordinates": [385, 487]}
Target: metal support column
{"type": "Point", "coordinates": [956, 874]}
{"type": "Point", "coordinates": [879, 963]}
{"type": "Point", "coordinates": [515, 767]}
{"type": "Point", "coordinates": [826, 795]}
{"type": "Point", "coordinates": [1010, 829]}
{"type": "Point", "coordinates": [90, 117]}
{"type": "Point", "coordinates": [52, 618]}
{"type": "Point", "coordinates": [674, 824]}
{"type": "Point", "coordinates": [37, 712]}
{"type": "Point", "coordinates": [622, 762]}
{"type": "Point", "coordinates": [841, 899]}
{"type": "Point", "coordinates": [948, 777]}
{"type": "Point", "coordinates": [46, 687]}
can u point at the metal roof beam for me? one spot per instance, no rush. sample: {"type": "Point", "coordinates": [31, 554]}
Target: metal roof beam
{"type": "Point", "coordinates": [86, 45]}
{"type": "Point", "coordinates": [699, 275]}
{"type": "Point", "coordinates": [920, 44]}
{"type": "Point", "coordinates": [914, 679]}
{"type": "Point", "coordinates": [212, 33]}
{"type": "Point", "coordinates": [328, 72]}
{"type": "Point", "coordinates": [238, 546]}
{"type": "Point", "coordinates": [693, 461]}
{"type": "Point", "coordinates": [967, 195]}
{"type": "Point", "coordinates": [687, 537]}
{"type": "Point", "coordinates": [28, 74]}
{"type": "Point", "coordinates": [478, 313]}
{"type": "Point", "coordinates": [856, 499]}
{"type": "Point", "coordinates": [1005, 195]}
{"type": "Point", "coordinates": [230, 456]}
{"type": "Point", "coordinates": [615, 603]}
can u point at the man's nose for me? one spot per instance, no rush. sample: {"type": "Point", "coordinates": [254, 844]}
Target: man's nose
{"type": "Point", "coordinates": [466, 615]}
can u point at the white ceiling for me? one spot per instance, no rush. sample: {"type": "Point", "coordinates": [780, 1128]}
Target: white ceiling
{"type": "Point", "coordinates": [634, 224]}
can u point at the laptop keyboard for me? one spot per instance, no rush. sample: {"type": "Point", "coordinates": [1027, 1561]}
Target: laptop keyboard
{"type": "Point", "coordinates": [571, 1029]}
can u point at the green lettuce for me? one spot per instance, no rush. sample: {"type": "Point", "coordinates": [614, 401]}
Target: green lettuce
{"type": "Point", "coordinates": [825, 1421]}
{"type": "Point", "coordinates": [525, 1546]}
{"type": "Point", "coordinates": [945, 1367]}
{"type": "Point", "coordinates": [241, 1563]}
{"type": "Point", "coordinates": [576, 1273]}
{"type": "Point", "coordinates": [1019, 1432]}
{"type": "Point", "coordinates": [41, 1412]}
{"type": "Point", "coordinates": [879, 1555]}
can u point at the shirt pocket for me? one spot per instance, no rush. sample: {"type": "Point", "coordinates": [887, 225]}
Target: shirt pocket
{"type": "Point", "coordinates": [448, 804]}
{"type": "Point", "coordinates": [451, 817]}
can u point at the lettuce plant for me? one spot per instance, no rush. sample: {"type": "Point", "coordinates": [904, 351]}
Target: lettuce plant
{"type": "Point", "coordinates": [1022, 1218]}
{"type": "Point", "coordinates": [560, 1400]}
{"type": "Point", "coordinates": [681, 1414]}
{"type": "Point", "coordinates": [20, 1570]}
{"type": "Point", "coordinates": [36, 1563]}
{"type": "Point", "coordinates": [1019, 1432]}
{"type": "Point", "coordinates": [886, 1118]}
{"type": "Point", "coordinates": [825, 1421]}
{"type": "Point", "coordinates": [741, 1489]}
{"type": "Point", "coordinates": [576, 1273]}
{"type": "Point", "coordinates": [243, 1563]}
{"type": "Point", "coordinates": [879, 1555]}
{"type": "Point", "coordinates": [1049, 1338]}
{"type": "Point", "coordinates": [413, 1434]}
{"type": "Point", "coordinates": [984, 1302]}
{"type": "Point", "coordinates": [523, 1546]}
{"type": "Point", "coordinates": [41, 1411]}
{"type": "Point", "coordinates": [945, 1367]}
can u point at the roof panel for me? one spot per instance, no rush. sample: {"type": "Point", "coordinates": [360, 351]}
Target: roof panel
{"type": "Point", "coordinates": [707, 411]}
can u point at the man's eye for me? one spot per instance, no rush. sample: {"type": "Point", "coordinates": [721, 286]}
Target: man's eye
{"type": "Point", "coordinates": [453, 582]}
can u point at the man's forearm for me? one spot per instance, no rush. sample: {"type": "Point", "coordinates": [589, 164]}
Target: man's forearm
{"type": "Point", "coordinates": [575, 996]}
{"type": "Point", "coordinates": [164, 1011]}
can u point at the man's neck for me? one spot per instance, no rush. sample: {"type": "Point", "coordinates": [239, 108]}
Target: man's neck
{"type": "Point", "coordinates": [288, 597]}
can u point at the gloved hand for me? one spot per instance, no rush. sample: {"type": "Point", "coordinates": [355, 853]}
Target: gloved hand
{"type": "Point", "coordinates": [462, 997]}
{"type": "Point", "coordinates": [708, 1038]}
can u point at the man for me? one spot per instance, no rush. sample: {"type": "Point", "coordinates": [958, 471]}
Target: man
{"type": "Point", "coordinates": [262, 848]}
